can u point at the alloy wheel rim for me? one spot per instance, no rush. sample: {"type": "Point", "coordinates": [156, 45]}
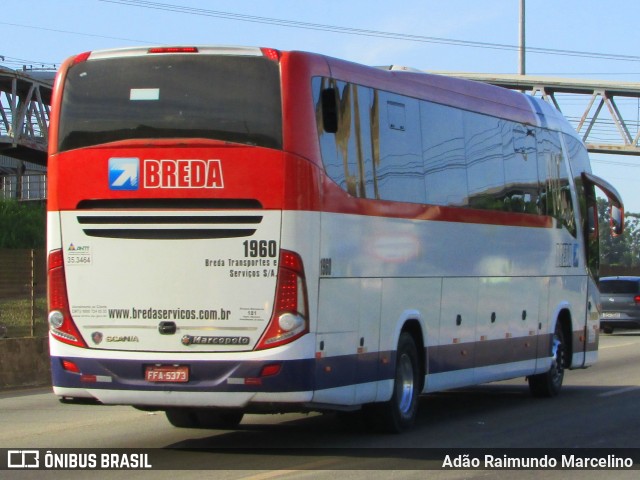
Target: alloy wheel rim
{"type": "Point", "coordinates": [405, 384]}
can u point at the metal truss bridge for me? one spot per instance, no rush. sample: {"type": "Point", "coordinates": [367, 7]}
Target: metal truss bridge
{"type": "Point", "coordinates": [25, 98]}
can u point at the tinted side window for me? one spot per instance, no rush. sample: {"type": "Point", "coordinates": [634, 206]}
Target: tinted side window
{"type": "Point", "coordinates": [392, 147]}
{"type": "Point", "coordinates": [328, 147]}
{"type": "Point", "coordinates": [444, 154]}
{"type": "Point", "coordinates": [520, 169]}
{"type": "Point", "coordinates": [346, 138]}
{"type": "Point", "coordinates": [399, 167]}
{"type": "Point", "coordinates": [556, 197]}
{"type": "Point", "coordinates": [485, 171]}
{"type": "Point", "coordinates": [348, 153]}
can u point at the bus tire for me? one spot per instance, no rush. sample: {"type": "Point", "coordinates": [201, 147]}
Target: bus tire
{"type": "Point", "coordinates": [204, 418]}
{"type": "Point", "coordinates": [548, 384]}
{"type": "Point", "coordinates": [400, 412]}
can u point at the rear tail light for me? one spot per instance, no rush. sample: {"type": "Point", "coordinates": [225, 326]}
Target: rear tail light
{"type": "Point", "coordinates": [637, 299]}
{"type": "Point", "coordinates": [289, 320]}
{"type": "Point", "coordinates": [61, 325]}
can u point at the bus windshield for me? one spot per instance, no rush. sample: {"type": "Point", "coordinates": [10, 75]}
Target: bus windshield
{"type": "Point", "coordinates": [234, 99]}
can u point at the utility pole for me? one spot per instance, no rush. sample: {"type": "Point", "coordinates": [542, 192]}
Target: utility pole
{"type": "Point", "coordinates": [521, 50]}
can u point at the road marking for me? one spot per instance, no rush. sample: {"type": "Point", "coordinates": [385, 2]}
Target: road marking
{"type": "Point", "coordinates": [619, 391]}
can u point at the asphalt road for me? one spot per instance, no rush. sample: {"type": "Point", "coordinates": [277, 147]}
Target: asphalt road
{"type": "Point", "coordinates": [598, 408]}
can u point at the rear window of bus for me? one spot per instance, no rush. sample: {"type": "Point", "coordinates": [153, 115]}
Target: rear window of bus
{"type": "Point", "coordinates": [228, 98]}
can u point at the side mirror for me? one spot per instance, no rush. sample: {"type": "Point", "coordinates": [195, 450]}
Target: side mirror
{"type": "Point", "coordinates": [616, 212]}
{"type": "Point", "coordinates": [616, 216]}
{"type": "Point", "coordinates": [330, 110]}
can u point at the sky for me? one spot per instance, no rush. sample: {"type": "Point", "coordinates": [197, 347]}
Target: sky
{"type": "Point", "coordinates": [456, 35]}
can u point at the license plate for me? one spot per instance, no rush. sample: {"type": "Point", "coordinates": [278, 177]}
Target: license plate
{"type": "Point", "coordinates": [611, 315]}
{"type": "Point", "coordinates": [167, 373]}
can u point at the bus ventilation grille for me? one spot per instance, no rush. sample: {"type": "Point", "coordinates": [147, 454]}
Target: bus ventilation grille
{"type": "Point", "coordinates": [169, 227]}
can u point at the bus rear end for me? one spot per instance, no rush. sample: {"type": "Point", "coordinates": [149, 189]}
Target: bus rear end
{"type": "Point", "coordinates": [169, 282]}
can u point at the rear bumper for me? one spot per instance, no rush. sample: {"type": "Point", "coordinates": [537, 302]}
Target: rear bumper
{"type": "Point", "coordinates": [619, 319]}
{"type": "Point", "coordinates": [620, 322]}
{"type": "Point", "coordinates": [211, 383]}
{"type": "Point", "coordinates": [170, 398]}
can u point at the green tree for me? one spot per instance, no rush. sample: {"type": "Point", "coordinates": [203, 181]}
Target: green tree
{"type": "Point", "coordinates": [22, 225]}
{"type": "Point", "coordinates": [623, 250]}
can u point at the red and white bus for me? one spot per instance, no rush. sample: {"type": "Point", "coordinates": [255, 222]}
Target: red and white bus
{"type": "Point", "coordinates": [237, 230]}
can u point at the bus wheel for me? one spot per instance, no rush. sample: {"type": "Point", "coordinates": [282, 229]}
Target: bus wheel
{"type": "Point", "coordinates": [548, 384]}
{"type": "Point", "coordinates": [399, 413]}
{"type": "Point", "coordinates": [203, 418]}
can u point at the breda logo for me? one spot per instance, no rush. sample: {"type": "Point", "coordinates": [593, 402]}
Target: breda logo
{"type": "Point", "coordinates": [183, 174]}
{"type": "Point", "coordinates": [124, 173]}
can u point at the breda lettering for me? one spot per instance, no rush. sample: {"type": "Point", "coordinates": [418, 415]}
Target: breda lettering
{"type": "Point", "coordinates": [188, 173]}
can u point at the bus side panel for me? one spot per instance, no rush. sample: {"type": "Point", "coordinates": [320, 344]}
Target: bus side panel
{"type": "Point", "coordinates": [338, 313]}
{"type": "Point", "coordinates": [451, 351]}
{"type": "Point", "coordinates": [507, 332]}
{"type": "Point", "coordinates": [369, 366]}
{"type": "Point", "coordinates": [347, 343]}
